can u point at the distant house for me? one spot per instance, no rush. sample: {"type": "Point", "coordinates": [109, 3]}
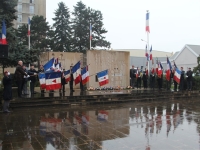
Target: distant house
{"type": "Point", "coordinates": [186, 58]}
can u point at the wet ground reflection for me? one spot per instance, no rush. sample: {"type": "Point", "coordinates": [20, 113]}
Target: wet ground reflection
{"type": "Point", "coordinates": [146, 126]}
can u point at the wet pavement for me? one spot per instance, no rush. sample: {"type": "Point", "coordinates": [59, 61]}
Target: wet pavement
{"type": "Point", "coordinates": [159, 125]}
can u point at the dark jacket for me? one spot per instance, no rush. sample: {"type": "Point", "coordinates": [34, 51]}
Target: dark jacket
{"type": "Point", "coordinates": [19, 73]}
{"type": "Point", "coordinates": [144, 76]}
{"type": "Point", "coordinates": [63, 81]}
{"type": "Point", "coordinates": [7, 91]}
{"type": "Point", "coordinates": [132, 73]}
{"type": "Point", "coordinates": [189, 74]}
{"type": "Point", "coordinates": [32, 77]}
{"type": "Point", "coordinates": [182, 75]}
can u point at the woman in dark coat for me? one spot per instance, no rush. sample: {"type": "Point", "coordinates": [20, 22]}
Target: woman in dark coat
{"type": "Point", "coordinates": [7, 91]}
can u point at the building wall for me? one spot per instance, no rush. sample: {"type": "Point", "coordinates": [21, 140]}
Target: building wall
{"type": "Point", "coordinates": [117, 63]}
{"type": "Point", "coordinates": [28, 8]}
{"type": "Point", "coordinates": [186, 59]}
{"type": "Point", "coordinates": [141, 52]}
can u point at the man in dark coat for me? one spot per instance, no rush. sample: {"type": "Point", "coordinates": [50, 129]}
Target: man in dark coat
{"type": "Point", "coordinates": [71, 82]}
{"type": "Point", "coordinates": [152, 78]}
{"type": "Point", "coordinates": [63, 81]}
{"type": "Point", "coordinates": [7, 91]}
{"type": "Point", "coordinates": [24, 82]}
{"type": "Point", "coordinates": [19, 76]}
{"type": "Point", "coordinates": [182, 80]}
{"type": "Point", "coordinates": [41, 70]}
{"type": "Point", "coordinates": [144, 79]}
{"type": "Point", "coordinates": [189, 79]}
{"type": "Point", "coordinates": [81, 84]}
{"type": "Point", "coordinates": [132, 76]}
{"type": "Point", "coordinates": [32, 72]}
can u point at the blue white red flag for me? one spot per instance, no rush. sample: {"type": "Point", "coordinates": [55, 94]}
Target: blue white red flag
{"type": "Point", "coordinates": [177, 75]}
{"type": "Point", "coordinates": [49, 65]}
{"type": "Point", "coordinates": [169, 68]}
{"type": "Point", "coordinates": [53, 80]}
{"type": "Point", "coordinates": [151, 53]}
{"type": "Point", "coordinates": [103, 77]}
{"type": "Point", "coordinates": [85, 75]}
{"type": "Point", "coordinates": [29, 26]}
{"type": "Point", "coordinates": [3, 38]}
{"type": "Point", "coordinates": [42, 80]}
{"type": "Point", "coordinates": [147, 22]}
{"type": "Point", "coordinates": [102, 115]}
{"type": "Point", "coordinates": [159, 68]}
{"type": "Point", "coordinates": [67, 75]}
{"type": "Point", "coordinates": [76, 70]}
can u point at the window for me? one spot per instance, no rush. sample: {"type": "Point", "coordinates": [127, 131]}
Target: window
{"type": "Point", "coordinates": [19, 7]}
{"type": "Point", "coordinates": [31, 9]}
{"type": "Point", "coordinates": [19, 19]}
{"type": "Point", "coordinates": [31, 1]}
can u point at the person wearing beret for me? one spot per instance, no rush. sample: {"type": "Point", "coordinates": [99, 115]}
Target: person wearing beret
{"type": "Point", "coordinates": [7, 91]}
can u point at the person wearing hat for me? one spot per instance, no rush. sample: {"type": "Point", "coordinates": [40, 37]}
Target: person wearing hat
{"type": "Point", "coordinates": [19, 76]}
{"type": "Point", "coordinates": [189, 79]}
{"type": "Point", "coordinates": [181, 86]}
{"type": "Point", "coordinates": [7, 91]}
{"type": "Point", "coordinates": [71, 82]}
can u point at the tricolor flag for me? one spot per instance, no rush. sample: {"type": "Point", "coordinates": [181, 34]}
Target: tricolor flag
{"type": "Point", "coordinates": [3, 38]}
{"type": "Point", "coordinates": [67, 75]}
{"type": "Point", "coordinates": [151, 54]}
{"type": "Point", "coordinates": [77, 72]}
{"type": "Point", "coordinates": [146, 54]}
{"type": "Point", "coordinates": [102, 115]}
{"type": "Point", "coordinates": [49, 65]}
{"type": "Point", "coordinates": [103, 77]}
{"type": "Point", "coordinates": [85, 75]}
{"type": "Point", "coordinates": [53, 80]}
{"type": "Point", "coordinates": [169, 68]}
{"type": "Point", "coordinates": [42, 80]}
{"type": "Point", "coordinates": [29, 26]}
{"type": "Point", "coordinates": [147, 22]}
{"type": "Point", "coordinates": [90, 32]}
{"type": "Point", "coordinates": [177, 75]}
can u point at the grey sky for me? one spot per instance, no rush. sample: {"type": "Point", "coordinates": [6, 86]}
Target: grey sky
{"type": "Point", "coordinates": [173, 23]}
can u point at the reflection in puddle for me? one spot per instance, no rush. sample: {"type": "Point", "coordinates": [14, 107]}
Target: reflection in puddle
{"type": "Point", "coordinates": [131, 126]}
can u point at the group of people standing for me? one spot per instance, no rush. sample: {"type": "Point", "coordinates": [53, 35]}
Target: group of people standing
{"type": "Point", "coordinates": [137, 75]}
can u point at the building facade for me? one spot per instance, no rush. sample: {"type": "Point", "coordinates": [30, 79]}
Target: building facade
{"type": "Point", "coordinates": [29, 8]}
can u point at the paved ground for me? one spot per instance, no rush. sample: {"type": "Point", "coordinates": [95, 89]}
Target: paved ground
{"type": "Point", "coordinates": [157, 125]}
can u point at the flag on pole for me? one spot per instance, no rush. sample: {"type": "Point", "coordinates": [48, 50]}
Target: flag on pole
{"type": "Point", "coordinates": [85, 75]}
{"type": "Point", "coordinates": [77, 72]}
{"type": "Point", "coordinates": [146, 54]}
{"type": "Point", "coordinates": [103, 77]}
{"type": "Point", "coordinates": [3, 38]}
{"type": "Point", "coordinates": [151, 54]}
{"type": "Point", "coordinates": [67, 75]}
{"type": "Point", "coordinates": [159, 68]}
{"type": "Point", "coordinates": [53, 80]}
{"type": "Point", "coordinates": [42, 80]}
{"type": "Point", "coordinates": [177, 75]}
{"type": "Point", "coordinates": [169, 68]}
{"type": "Point", "coordinates": [49, 65]}
{"type": "Point", "coordinates": [29, 26]}
{"type": "Point", "coordinates": [147, 22]}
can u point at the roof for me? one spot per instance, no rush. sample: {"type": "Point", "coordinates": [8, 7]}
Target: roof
{"type": "Point", "coordinates": [173, 56]}
{"type": "Point", "coordinates": [195, 49]}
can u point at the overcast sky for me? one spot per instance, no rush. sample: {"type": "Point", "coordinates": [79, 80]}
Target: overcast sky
{"type": "Point", "coordinates": [173, 23]}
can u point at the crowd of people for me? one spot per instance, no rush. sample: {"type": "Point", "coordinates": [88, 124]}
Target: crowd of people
{"type": "Point", "coordinates": [137, 76]}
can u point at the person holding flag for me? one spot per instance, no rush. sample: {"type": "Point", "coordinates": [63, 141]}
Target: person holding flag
{"type": "Point", "coordinates": [152, 78]}
{"type": "Point", "coordinates": [181, 86]}
{"type": "Point", "coordinates": [144, 78]}
{"type": "Point", "coordinates": [71, 82]}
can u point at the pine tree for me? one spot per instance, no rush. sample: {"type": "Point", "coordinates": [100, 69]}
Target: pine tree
{"type": "Point", "coordinates": [62, 26]}
{"type": "Point", "coordinates": [83, 16]}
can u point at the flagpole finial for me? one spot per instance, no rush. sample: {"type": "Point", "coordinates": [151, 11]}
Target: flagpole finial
{"type": "Point", "coordinates": [147, 11]}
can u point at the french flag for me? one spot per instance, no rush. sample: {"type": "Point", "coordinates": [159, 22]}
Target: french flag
{"type": "Point", "coordinates": [102, 115]}
{"type": "Point", "coordinates": [147, 22]}
{"type": "Point", "coordinates": [29, 26]}
{"type": "Point", "coordinates": [169, 68]}
{"type": "Point", "coordinates": [67, 75]}
{"type": "Point", "coordinates": [177, 75]}
{"type": "Point", "coordinates": [53, 80]}
{"type": "Point", "coordinates": [151, 53]}
{"type": "Point", "coordinates": [103, 77]}
{"type": "Point", "coordinates": [85, 75]}
{"type": "Point", "coordinates": [42, 80]}
{"type": "Point", "coordinates": [49, 65]}
{"type": "Point", "coordinates": [3, 38]}
{"type": "Point", "coordinates": [90, 32]}
{"type": "Point", "coordinates": [77, 72]}
{"type": "Point", "coordinates": [159, 68]}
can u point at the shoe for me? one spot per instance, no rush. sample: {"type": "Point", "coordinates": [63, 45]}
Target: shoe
{"type": "Point", "coordinates": [6, 111]}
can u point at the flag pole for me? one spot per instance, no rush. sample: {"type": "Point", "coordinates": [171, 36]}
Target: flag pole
{"type": "Point", "coordinates": [90, 35]}
{"type": "Point", "coordinates": [148, 51]}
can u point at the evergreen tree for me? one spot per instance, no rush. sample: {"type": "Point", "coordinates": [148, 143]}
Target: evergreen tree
{"type": "Point", "coordinates": [39, 31]}
{"type": "Point", "coordinates": [62, 26]}
{"type": "Point", "coordinates": [83, 16]}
